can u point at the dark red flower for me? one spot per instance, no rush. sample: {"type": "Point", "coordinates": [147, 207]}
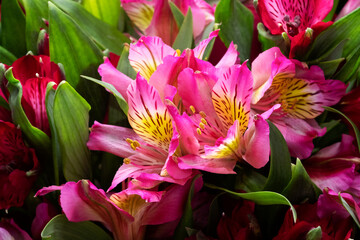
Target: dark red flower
{"type": "Point", "coordinates": [34, 73]}
{"type": "Point", "coordinates": [18, 167]}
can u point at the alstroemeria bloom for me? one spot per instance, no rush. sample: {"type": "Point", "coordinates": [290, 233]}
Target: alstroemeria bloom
{"type": "Point", "coordinates": [154, 18]}
{"type": "Point", "coordinates": [295, 18]}
{"type": "Point", "coordinates": [150, 148]}
{"type": "Point", "coordinates": [334, 166]}
{"type": "Point", "coordinates": [34, 73]}
{"type": "Point", "coordinates": [18, 166]}
{"type": "Point", "coordinates": [224, 128]}
{"type": "Point", "coordinates": [126, 213]}
{"type": "Point", "coordinates": [301, 91]}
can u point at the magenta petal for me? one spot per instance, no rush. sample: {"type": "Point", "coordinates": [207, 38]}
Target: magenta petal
{"type": "Point", "coordinates": [261, 71]}
{"type": "Point", "coordinates": [44, 213]}
{"type": "Point", "coordinates": [221, 166]}
{"type": "Point", "coordinates": [46, 190]}
{"type": "Point", "coordinates": [172, 203]}
{"type": "Point", "coordinates": [110, 74]}
{"type": "Point", "coordinates": [9, 230]}
{"type": "Point", "coordinates": [257, 143]}
{"type": "Point", "coordinates": [111, 139]}
{"type": "Point", "coordinates": [230, 57]}
{"type": "Point", "coordinates": [200, 49]}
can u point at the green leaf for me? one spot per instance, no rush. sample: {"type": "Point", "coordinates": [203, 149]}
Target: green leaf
{"type": "Point", "coordinates": [6, 57]}
{"type": "Point", "coordinates": [49, 102]}
{"type": "Point", "coordinates": [124, 63]}
{"type": "Point", "coordinates": [121, 101]}
{"type": "Point", "coordinates": [280, 161]}
{"type": "Point", "coordinates": [351, 66]}
{"type": "Point", "coordinates": [187, 218]}
{"type": "Point", "coordinates": [214, 215]}
{"type": "Point", "coordinates": [178, 15]}
{"type": "Point", "coordinates": [356, 130]}
{"type": "Point", "coordinates": [330, 67]}
{"type": "Point", "coordinates": [268, 40]}
{"type": "Point", "coordinates": [104, 34]}
{"type": "Point", "coordinates": [300, 187]}
{"type": "Point", "coordinates": [184, 38]}
{"type": "Point", "coordinates": [314, 234]}
{"type": "Point", "coordinates": [70, 46]}
{"type": "Point", "coordinates": [70, 119]}
{"type": "Point", "coordinates": [35, 136]}
{"type": "Point", "coordinates": [249, 180]}
{"type": "Point", "coordinates": [350, 210]}
{"type": "Point", "coordinates": [36, 11]}
{"type": "Point", "coordinates": [236, 25]}
{"type": "Point", "coordinates": [342, 29]}
{"type": "Point", "coordinates": [108, 11]}
{"type": "Point", "coordinates": [261, 198]}
{"type": "Point", "coordinates": [13, 28]}
{"type": "Point", "coordinates": [60, 228]}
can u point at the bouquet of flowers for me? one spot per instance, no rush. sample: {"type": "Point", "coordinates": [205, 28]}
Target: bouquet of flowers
{"type": "Point", "coordinates": [169, 119]}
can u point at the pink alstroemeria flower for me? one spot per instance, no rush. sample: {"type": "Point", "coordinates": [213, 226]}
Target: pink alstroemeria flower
{"type": "Point", "coordinates": [10, 230]}
{"type": "Point", "coordinates": [301, 91]}
{"type": "Point", "coordinates": [154, 18]}
{"type": "Point", "coordinates": [126, 213]}
{"type": "Point", "coordinates": [221, 129]}
{"type": "Point", "coordinates": [150, 149]}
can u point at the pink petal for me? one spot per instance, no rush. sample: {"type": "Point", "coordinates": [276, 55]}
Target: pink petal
{"type": "Point", "coordinates": [147, 54]}
{"type": "Point", "coordinates": [200, 49]}
{"type": "Point", "coordinates": [215, 165]}
{"type": "Point", "coordinates": [140, 12]}
{"type": "Point", "coordinates": [110, 74]}
{"type": "Point", "coordinates": [257, 143]}
{"type": "Point", "coordinates": [229, 58]}
{"type": "Point", "coordinates": [350, 6]}
{"type": "Point", "coordinates": [261, 71]}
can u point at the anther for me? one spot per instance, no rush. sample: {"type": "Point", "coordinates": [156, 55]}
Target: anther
{"type": "Point", "coordinates": [198, 131]}
{"type": "Point", "coordinates": [178, 52]}
{"type": "Point", "coordinates": [37, 75]}
{"type": "Point", "coordinates": [204, 121]}
{"type": "Point", "coordinates": [192, 108]}
{"type": "Point", "coordinates": [202, 114]}
{"type": "Point", "coordinates": [202, 126]}
{"type": "Point", "coordinates": [128, 140]}
{"type": "Point", "coordinates": [127, 161]}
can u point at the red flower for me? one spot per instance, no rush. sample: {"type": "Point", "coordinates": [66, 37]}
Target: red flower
{"type": "Point", "coordinates": [34, 73]}
{"type": "Point", "coordinates": [18, 166]}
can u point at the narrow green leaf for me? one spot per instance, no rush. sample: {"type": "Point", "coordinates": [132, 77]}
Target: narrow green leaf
{"type": "Point", "coordinates": [70, 46]}
{"type": "Point", "coordinates": [187, 218]}
{"type": "Point", "coordinates": [121, 101]}
{"type": "Point", "coordinates": [49, 102]}
{"type": "Point", "coordinates": [36, 12]}
{"type": "Point", "coordinates": [36, 137]}
{"type": "Point", "coordinates": [330, 67]}
{"type": "Point", "coordinates": [60, 228]}
{"type": "Point", "coordinates": [314, 234]}
{"type": "Point", "coordinates": [280, 161]}
{"type": "Point", "coordinates": [13, 28]}
{"type": "Point", "coordinates": [6, 57]}
{"type": "Point", "coordinates": [184, 38]}
{"type": "Point", "coordinates": [330, 15]}
{"type": "Point", "coordinates": [178, 15]}
{"type": "Point", "coordinates": [108, 11]}
{"type": "Point", "coordinates": [261, 198]}
{"type": "Point", "coordinates": [300, 187]}
{"type": "Point", "coordinates": [350, 210]}
{"type": "Point", "coordinates": [351, 66]}
{"type": "Point", "coordinates": [236, 24]}
{"type": "Point", "coordinates": [4, 103]}
{"type": "Point", "coordinates": [71, 117]}
{"type": "Point", "coordinates": [214, 215]}
{"type": "Point", "coordinates": [356, 130]}
{"type": "Point", "coordinates": [124, 63]}
{"type": "Point", "coordinates": [342, 29]}
{"type": "Point", "coordinates": [104, 34]}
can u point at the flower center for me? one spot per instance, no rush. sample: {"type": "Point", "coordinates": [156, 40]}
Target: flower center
{"type": "Point", "coordinates": [292, 27]}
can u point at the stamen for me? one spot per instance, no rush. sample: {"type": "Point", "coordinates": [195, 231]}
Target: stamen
{"type": "Point", "coordinates": [133, 146]}
{"type": "Point", "coordinates": [37, 75]}
{"type": "Point", "coordinates": [164, 173]}
{"type": "Point", "coordinates": [204, 121]}
{"type": "Point", "coordinates": [127, 161]}
{"type": "Point", "coordinates": [202, 126]}
{"type": "Point", "coordinates": [178, 52]}
{"type": "Point", "coordinates": [198, 131]}
{"type": "Point", "coordinates": [202, 114]}
{"type": "Point", "coordinates": [192, 108]}
{"type": "Point", "coordinates": [128, 140]}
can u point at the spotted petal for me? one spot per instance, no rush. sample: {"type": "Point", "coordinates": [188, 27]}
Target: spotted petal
{"type": "Point", "coordinates": [231, 97]}
{"type": "Point", "coordinates": [148, 115]}
{"type": "Point", "coordinates": [140, 12]}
